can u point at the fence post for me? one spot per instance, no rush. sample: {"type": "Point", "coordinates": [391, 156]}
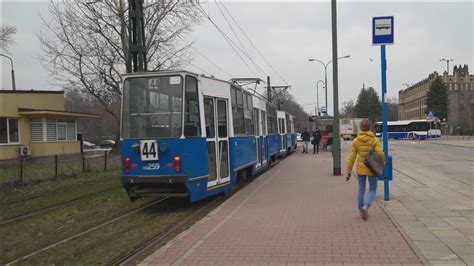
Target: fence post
{"type": "Point", "coordinates": [105, 161]}
{"type": "Point", "coordinates": [83, 163]}
{"type": "Point", "coordinates": [20, 170]}
{"type": "Point", "coordinates": [56, 166]}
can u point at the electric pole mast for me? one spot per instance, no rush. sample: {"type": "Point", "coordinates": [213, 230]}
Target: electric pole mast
{"type": "Point", "coordinates": [136, 37]}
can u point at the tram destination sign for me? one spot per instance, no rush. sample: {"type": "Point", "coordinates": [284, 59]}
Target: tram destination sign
{"type": "Point", "coordinates": [382, 30]}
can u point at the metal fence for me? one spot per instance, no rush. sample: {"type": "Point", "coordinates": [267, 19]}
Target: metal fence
{"type": "Point", "coordinates": [32, 170]}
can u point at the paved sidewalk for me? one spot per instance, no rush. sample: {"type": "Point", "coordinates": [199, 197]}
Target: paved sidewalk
{"type": "Point", "coordinates": [433, 199]}
{"type": "Point", "coordinates": [295, 213]}
{"type": "Point", "coordinates": [467, 142]}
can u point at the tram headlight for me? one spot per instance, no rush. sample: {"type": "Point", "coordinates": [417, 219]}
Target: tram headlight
{"type": "Point", "coordinates": [177, 164]}
{"type": "Point", "coordinates": [126, 163]}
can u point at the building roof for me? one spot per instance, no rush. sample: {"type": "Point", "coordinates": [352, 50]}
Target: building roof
{"type": "Point", "coordinates": [30, 91]}
{"type": "Point", "coordinates": [28, 111]}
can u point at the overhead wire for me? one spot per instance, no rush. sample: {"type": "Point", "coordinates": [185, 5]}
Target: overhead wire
{"type": "Point", "coordinates": [224, 35]}
{"type": "Point", "coordinates": [243, 50]}
{"type": "Point", "coordinates": [206, 57]}
{"type": "Point", "coordinates": [253, 45]}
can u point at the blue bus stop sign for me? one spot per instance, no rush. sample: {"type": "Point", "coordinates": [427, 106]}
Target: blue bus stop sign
{"type": "Point", "coordinates": [382, 30]}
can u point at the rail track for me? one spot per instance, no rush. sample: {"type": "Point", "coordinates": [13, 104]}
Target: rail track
{"type": "Point", "coordinates": [86, 231]}
{"type": "Point", "coordinates": [54, 207]}
{"type": "Point", "coordinates": [176, 229]}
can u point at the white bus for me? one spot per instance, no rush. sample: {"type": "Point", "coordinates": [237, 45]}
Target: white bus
{"type": "Point", "coordinates": [411, 129]}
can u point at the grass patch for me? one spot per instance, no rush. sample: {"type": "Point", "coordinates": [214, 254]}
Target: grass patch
{"type": "Point", "coordinates": [19, 208]}
{"type": "Point", "coordinates": [25, 236]}
{"type": "Point", "coordinates": [15, 194]}
{"type": "Point", "coordinates": [105, 245]}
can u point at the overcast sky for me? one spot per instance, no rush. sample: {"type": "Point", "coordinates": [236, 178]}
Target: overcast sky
{"type": "Point", "coordinates": [288, 33]}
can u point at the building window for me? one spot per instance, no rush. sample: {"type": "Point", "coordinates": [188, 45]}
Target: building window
{"type": "Point", "coordinates": [9, 133]}
{"type": "Point", "coordinates": [61, 129]}
{"type": "Point", "coordinates": [50, 129]}
{"type": "Point", "coordinates": [36, 129]}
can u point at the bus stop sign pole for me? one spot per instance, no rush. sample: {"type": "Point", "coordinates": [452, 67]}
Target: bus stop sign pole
{"type": "Point", "coordinates": [386, 192]}
{"type": "Point", "coordinates": [382, 34]}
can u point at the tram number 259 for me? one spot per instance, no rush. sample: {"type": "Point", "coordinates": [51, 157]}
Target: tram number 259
{"type": "Point", "coordinates": [149, 150]}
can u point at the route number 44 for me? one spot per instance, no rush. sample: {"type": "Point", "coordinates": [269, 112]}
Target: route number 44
{"type": "Point", "coordinates": [149, 150]}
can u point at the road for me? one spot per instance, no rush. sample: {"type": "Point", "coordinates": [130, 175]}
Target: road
{"type": "Point", "coordinates": [432, 198]}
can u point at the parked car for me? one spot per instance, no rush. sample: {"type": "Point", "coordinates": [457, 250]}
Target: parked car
{"type": "Point", "coordinates": [107, 144]}
{"type": "Point", "coordinates": [298, 137]}
{"type": "Point", "coordinates": [88, 145]}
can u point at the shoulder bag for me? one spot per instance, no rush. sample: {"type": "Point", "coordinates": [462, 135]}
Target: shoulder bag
{"type": "Point", "coordinates": [374, 162]}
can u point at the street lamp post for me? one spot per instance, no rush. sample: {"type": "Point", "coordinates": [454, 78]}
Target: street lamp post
{"type": "Point", "coordinates": [317, 95]}
{"type": "Point", "coordinates": [325, 65]}
{"type": "Point", "coordinates": [447, 63]}
{"type": "Point", "coordinates": [13, 71]}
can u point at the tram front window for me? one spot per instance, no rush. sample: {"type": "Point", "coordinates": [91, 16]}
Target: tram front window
{"type": "Point", "coordinates": [152, 107]}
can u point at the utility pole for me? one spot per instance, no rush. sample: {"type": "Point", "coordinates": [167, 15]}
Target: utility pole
{"type": "Point", "coordinates": [447, 63]}
{"type": "Point", "coordinates": [13, 71]}
{"type": "Point", "coordinates": [269, 90]}
{"type": "Point", "coordinates": [336, 144]}
{"type": "Point", "coordinates": [317, 95]}
{"type": "Point", "coordinates": [136, 37]}
{"type": "Point", "coordinates": [325, 65]}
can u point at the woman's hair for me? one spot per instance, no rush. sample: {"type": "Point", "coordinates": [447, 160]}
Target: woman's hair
{"type": "Point", "coordinates": [365, 125]}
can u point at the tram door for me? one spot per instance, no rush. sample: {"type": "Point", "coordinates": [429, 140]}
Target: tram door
{"type": "Point", "coordinates": [258, 141]}
{"type": "Point", "coordinates": [282, 131]}
{"type": "Point", "coordinates": [215, 112]}
{"type": "Point", "coordinates": [263, 141]}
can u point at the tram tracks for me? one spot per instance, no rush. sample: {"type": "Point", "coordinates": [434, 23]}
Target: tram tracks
{"type": "Point", "coordinates": [173, 230]}
{"type": "Point", "coordinates": [84, 232]}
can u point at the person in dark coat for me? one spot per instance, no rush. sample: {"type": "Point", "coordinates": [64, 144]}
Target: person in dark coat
{"type": "Point", "coordinates": [316, 140]}
{"type": "Point", "coordinates": [305, 137]}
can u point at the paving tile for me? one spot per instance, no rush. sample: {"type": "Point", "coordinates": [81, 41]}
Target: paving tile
{"type": "Point", "coordinates": [447, 263]}
{"type": "Point", "coordinates": [436, 223]}
{"type": "Point", "coordinates": [439, 254]}
{"type": "Point", "coordinates": [430, 245]}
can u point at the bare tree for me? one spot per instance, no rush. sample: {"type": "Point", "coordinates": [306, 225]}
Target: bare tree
{"type": "Point", "coordinates": [6, 37]}
{"type": "Point", "coordinates": [289, 104]}
{"type": "Point", "coordinates": [85, 44]}
{"type": "Point", "coordinates": [347, 110]}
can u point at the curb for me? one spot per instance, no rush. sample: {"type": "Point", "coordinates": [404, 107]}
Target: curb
{"type": "Point", "coordinates": [407, 239]}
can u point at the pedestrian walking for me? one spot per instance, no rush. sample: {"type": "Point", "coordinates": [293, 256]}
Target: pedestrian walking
{"type": "Point", "coordinates": [316, 140]}
{"type": "Point", "coordinates": [362, 144]}
{"type": "Point", "coordinates": [305, 137]}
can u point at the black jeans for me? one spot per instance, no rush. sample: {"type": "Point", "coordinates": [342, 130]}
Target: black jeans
{"type": "Point", "coordinates": [316, 147]}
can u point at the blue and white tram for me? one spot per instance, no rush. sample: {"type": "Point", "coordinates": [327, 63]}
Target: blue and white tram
{"type": "Point", "coordinates": [188, 135]}
{"type": "Point", "coordinates": [410, 129]}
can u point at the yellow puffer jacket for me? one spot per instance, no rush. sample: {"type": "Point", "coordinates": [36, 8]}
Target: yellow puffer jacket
{"type": "Point", "coordinates": [362, 145]}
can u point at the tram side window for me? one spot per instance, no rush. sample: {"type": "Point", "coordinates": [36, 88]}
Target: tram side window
{"type": "Point", "coordinates": [248, 114]}
{"type": "Point", "coordinates": [191, 109]}
{"type": "Point", "coordinates": [272, 119]}
{"type": "Point", "coordinates": [288, 123]}
{"type": "Point", "coordinates": [264, 122]}
{"type": "Point", "coordinates": [237, 111]}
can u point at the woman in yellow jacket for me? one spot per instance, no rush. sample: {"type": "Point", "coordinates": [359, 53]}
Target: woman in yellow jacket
{"type": "Point", "coordinates": [361, 146]}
